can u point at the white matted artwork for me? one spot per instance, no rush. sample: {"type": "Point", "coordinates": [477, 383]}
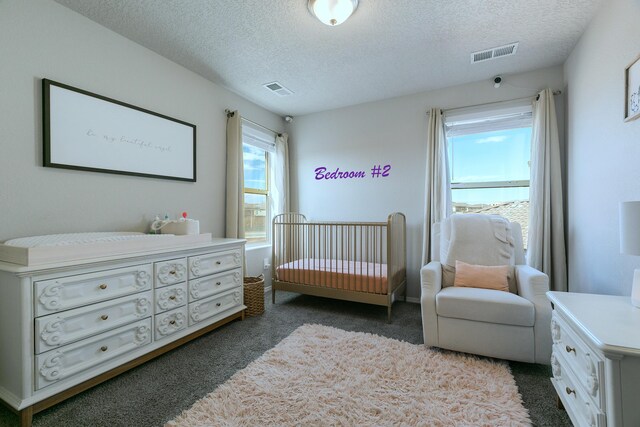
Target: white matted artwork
{"type": "Point", "coordinates": [632, 90]}
{"type": "Point", "coordinates": [85, 131]}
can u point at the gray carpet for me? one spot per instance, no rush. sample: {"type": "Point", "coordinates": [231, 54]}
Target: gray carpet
{"type": "Point", "coordinates": [157, 391]}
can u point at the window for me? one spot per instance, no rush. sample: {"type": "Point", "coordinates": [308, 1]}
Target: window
{"type": "Point", "coordinates": [257, 149]}
{"type": "Point", "coordinates": [489, 155]}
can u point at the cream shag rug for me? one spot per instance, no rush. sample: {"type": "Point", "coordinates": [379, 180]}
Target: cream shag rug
{"type": "Point", "coordinates": [321, 375]}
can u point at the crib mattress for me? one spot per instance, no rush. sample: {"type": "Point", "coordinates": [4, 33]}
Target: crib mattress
{"type": "Point", "coordinates": [337, 274]}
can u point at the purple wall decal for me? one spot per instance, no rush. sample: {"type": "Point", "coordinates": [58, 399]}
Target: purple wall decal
{"type": "Point", "coordinates": [377, 171]}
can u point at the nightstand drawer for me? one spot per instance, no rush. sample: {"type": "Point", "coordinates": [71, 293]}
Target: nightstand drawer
{"type": "Point", "coordinates": [68, 292]}
{"type": "Point", "coordinates": [171, 297]}
{"type": "Point", "coordinates": [170, 272]}
{"type": "Point", "coordinates": [69, 326]}
{"type": "Point", "coordinates": [211, 285]}
{"type": "Point", "coordinates": [203, 265]}
{"type": "Point", "coordinates": [588, 368]}
{"type": "Point", "coordinates": [576, 400]}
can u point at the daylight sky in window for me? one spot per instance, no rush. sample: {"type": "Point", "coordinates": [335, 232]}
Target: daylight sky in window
{"type": "Point", "coordinates": [501, 155]}
{"type": "Point", "coordinates": [255, 175]}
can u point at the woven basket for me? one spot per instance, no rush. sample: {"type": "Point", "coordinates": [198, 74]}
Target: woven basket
{"type": "Point", "coordinates": [254, 295]}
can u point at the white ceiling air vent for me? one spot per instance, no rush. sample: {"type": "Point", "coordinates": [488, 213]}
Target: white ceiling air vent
{"type": "Point", "coordinates": [495, 52]}
{"type": "Point", "coordinates": [277, 88]}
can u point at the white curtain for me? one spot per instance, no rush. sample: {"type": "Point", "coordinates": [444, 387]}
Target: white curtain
{"type": "Point", "coordinates": [235, 177]}
{"type": "Point", "coordinates": [280, 176]}
{"type": "Point", "coordinates": [437, 184]}
{"type": "Point", "coordinates": [546, 248]}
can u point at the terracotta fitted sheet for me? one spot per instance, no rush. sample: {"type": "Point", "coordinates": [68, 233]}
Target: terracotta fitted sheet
{"type": "Point", "coordinates": [336, 273]}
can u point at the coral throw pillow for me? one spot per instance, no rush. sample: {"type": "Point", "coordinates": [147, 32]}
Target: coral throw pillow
{"type": "Point", "coordinates": [482, 276]}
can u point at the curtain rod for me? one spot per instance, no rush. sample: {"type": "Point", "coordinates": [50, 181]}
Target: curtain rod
{"type": "Point", "coordinates": [230, 114]}
{"type": "Point", "coordinates": [555, 92]}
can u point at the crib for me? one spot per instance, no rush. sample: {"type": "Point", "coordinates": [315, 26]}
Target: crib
{"type": "Point", "coordinates": [353, 261]}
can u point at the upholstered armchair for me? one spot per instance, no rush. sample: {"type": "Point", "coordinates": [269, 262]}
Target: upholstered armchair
{"type": "Point", "coordinates": [512, 325]}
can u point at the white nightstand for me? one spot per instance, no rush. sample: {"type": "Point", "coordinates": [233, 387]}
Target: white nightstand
{"type": "Point", "coordinates": [596, 358]}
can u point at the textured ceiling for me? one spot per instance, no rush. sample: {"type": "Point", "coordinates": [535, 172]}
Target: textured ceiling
{"type": "Point", "coordinates": [387, 48]}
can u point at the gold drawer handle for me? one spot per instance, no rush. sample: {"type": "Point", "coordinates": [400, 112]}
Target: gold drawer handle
{"type": "Point", "coordinates": [104, 348]}
{"type": "Point", "coordinates": [173, 322]}
{"type": "Point", "coordinates": [218, 304]}
{"type": "Point", "coordinates": [218, 262]}
{"type": "Point", "coordinates": [569, 391]}
{"type": "Point", "coordinates": [218, 283]}
{"type": "Point", "coordinates": [172, 297]}
{"type": "Point", "coordinates": [570, 349]}
{"type": "Point", "coordinates": [103, 286]}
{"type": "Point", "coordinates": [104, 317]}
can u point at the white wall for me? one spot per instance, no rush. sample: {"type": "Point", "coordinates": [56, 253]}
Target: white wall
{"type": "Point", "coordinates": [255, 263]}
{"type": "Point", "coordinates": [391, 132]}
{"type": "Point", "coordinates": [603, 150]}
{"type": "Point", "coordinates": [40, 38]}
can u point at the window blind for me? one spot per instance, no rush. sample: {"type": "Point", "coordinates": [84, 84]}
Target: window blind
{"type": "Point", "coordinates": [258, 137]}
{"type": "Point", "coordinates": [489, 117]}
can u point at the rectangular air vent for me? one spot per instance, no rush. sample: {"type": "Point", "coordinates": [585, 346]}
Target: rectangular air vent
{"type": "Point", "coordinates": [495, 52]}
{"type": "Point", "coordinates": [277, 88]}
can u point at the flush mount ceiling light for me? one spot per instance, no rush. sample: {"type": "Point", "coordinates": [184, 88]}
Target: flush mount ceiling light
{"type": "Point", "coordinates": [332, 12]}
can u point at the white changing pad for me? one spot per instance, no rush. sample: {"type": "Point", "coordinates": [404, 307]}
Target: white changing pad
{"type": "Point", "coordinates": [80, 238]}
{"type": "Point", "coordinates": [56, 248]}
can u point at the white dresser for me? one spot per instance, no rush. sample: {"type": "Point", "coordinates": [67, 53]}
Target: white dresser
{"type": "Point", "coordinates": [67, 326]}
{"type": "Point", "coordinates": [596, 358]}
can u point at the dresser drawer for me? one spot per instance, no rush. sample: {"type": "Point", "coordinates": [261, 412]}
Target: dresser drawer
{"type": "Point", "coordinates": [62, 363]}
{"type": "Point", "coordinates": [59, 329]}
{"type": "Point", "coordinates": [203, 265]}
{"type": "Point", "coordinates": [579, 406]}
{"type": "Point", "coordinates": [170, 322]}
{"type": "Point", "coordinates": [74, 291]}
{"type": "Point", "coordinates": [170, 272]}
{"type": "Point", "coordinates": [211, 285]}
{"type": "Point", "coordinates": [170, 297]}
{"type": "Point", "coordinates": [209, 307]}
{"type": "Point", "coordinates": [588, 368]}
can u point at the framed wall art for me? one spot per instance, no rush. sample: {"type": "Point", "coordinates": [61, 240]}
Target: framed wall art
{"type": "Point", "coordinates": [85, 131]}
{"type": "Point", "coordinates": [632, 90]}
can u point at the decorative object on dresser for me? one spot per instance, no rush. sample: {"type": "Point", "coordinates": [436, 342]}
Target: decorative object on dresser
{"type": "Point", "coordinates": [512, 325]}
{"type": "Point", "coordinates": [596, 358]}
{"type": "Point", "coordinates": [180, 226]}
{"type": "Point", "coordinates": [321, 375]}
{"type": "Point", "coordinates": [353, 261]}
{"type": "Point", "coordinates": [68, 325]}
{"type": "Point", "coordinates": [630, 241]}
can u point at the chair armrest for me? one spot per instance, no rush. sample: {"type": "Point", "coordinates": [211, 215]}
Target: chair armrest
{"type": "Point", "coordinates": [533, 285]}
{"type": "Point", "coordinates": [431, 283]}
{"type": "Point", "coordinates": [431, 278]}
